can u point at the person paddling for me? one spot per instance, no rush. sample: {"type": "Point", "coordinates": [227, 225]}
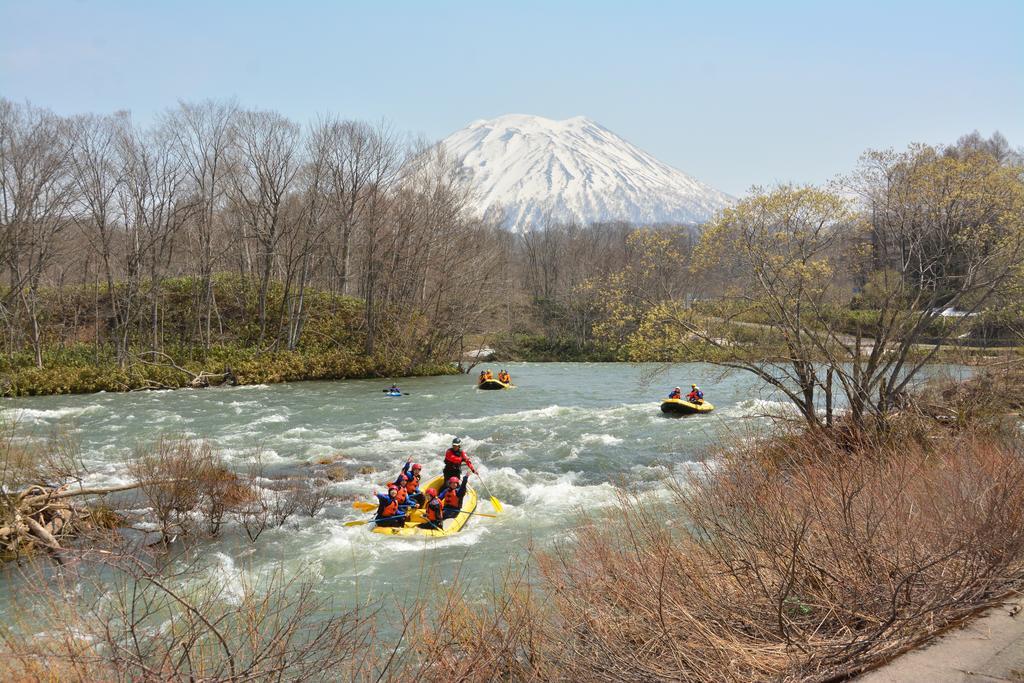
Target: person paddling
{"type": "Point", "coordinates": [676, 393]}
{"type": "Point", "coordinates": [454, 458]}
{"type": "Point", "coordinates": [452, 495]}
{"type": "Point", "coordinates": [434, 511]}
{"type": "Point", "coordinates": [695, 396]}
{"type": "Point", "coordinates": [389, 508]}
{"type": "Point", "coordinates": [411, 472]}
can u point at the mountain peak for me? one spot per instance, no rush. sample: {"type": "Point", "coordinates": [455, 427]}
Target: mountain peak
{"type": "Point", "coordinates": [538, 169]}
{"type": "Point", "coordinates": [529, 121]}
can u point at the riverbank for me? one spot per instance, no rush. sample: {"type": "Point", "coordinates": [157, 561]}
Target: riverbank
{"type": "Point", "coordinates": [540, 349]}
{"type": "Point", "coordinates": [85, 345]}
{"type": "Point", "coordinates": [77, 370]}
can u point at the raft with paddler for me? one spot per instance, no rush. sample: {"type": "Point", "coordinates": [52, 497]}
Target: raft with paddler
{"type": "Point", "coordinates": [438, 507]}
{"type": "Point", "coordinates": [488, 381]}
{"type": "Point", "coordinates": [693, 404]}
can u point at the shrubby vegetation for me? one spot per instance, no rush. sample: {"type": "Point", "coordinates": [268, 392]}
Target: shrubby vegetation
{"type": "Point", "coordinates": [332, 345]}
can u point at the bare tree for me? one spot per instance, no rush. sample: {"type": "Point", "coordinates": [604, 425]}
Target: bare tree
{"type": "Point", "coordinates": [36, 193]}
{"type": "Point", "coordinates": [154, 208]}
{"type": "Point", "coordinates": [202, 133]}
{"type": "Point", "coordinates": [266, 151]}
{"type": "Point", "coordinates": [97, 176]}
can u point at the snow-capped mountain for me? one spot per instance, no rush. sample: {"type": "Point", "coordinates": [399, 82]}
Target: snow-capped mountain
{"type": "Point", "coordinates": [535, 170]}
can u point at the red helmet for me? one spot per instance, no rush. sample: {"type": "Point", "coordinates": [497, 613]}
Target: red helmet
{"type": "Point", "coordinates": [416, 466]}
{"type": "Point", "coordinates": [392, 487]}
{"type": "Point", "coordinates": [431, 492]}
{"type": "Point", "coordinates": [453, 480]}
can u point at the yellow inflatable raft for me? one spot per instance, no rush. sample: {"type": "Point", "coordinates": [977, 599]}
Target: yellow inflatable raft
{"type": "Point", "coordinates": [451, 526]}
{"type": "Point", "coordinates": [493, 384]}
{"type": "Point", "coordinates": [677, 406]}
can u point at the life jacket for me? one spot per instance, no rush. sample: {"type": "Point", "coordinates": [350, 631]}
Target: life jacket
{"type": "Point", "coordinates": [452, 457]}
{"type": "Point", "coordinates": [676, 394]}
{"type": "Point", "coordinates": [435, 510]}
{"type": "Point", "coordinates": [412, 484]}
{"type": "Point", "coordinates": [451, 498]}
{"type": "Point", "coordinates": [694, 396]}
{"type": "Point", "coordinates": [488, 375]}
{"type": "Point", "coordinates": [391, 509]}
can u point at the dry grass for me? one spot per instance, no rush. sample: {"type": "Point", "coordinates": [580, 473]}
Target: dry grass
{"type": "Point", "coordinates": [810, 566]}
{"type": "Point", "coordinates": [995, 393]}
{"type": "Point", "coordinates": [149, 623]}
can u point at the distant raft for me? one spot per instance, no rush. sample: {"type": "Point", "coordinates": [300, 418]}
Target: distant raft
{"type": "Point", "coordinates": [451, 526]}
{"type": "Point", "coordinates": [677, 406]}
{"type": "Point", "coordinates": [492, 384]}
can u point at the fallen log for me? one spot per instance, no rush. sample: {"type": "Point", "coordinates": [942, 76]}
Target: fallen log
{"type": "Point", "coordinates": [69, 493]}
{"type": "Point", "coordinates": [42, 534]}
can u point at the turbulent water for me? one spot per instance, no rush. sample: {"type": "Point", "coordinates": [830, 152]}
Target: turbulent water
{"type": "Point", "coordinates": [561, 441]}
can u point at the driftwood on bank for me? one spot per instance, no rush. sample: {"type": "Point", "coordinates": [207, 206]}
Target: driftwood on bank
{"type": "Point", "coordinates": [198, 380]}
{"type": "Point", "coordinates": [47, 516]}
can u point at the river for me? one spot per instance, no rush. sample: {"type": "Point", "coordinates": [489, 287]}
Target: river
{"type": "Point", "coordinates": [563, 440]}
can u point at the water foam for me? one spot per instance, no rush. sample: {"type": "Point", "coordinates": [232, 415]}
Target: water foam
{"type": "Point", "coordinates": [270, 419]}
{"type": "Point", "coordinates": [605, 439]}
{"type": "Point", "coordinates": [46, 415]}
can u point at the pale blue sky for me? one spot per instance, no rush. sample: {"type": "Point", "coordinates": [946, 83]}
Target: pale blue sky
{"type": "Point", "coordinates": [734, 93]}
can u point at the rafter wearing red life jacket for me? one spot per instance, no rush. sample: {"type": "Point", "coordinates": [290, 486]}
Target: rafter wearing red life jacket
{"type": "Point", "coordinates": [434, 511]}
{"type": "Point", "coordinates": [411, 472]}
{"type": "Point", "coordinates": [452, 495]}
{"type": "Point", "coordinates": [454, 459]}
{"type": "Point", "coordinates": [389, 508]}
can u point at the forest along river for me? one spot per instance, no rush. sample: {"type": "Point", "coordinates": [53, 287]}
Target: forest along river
{"type": "Point", "coordinates": [561, 441]}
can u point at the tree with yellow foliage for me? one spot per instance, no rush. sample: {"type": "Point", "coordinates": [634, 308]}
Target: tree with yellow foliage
{"type": "Point", "coordinates": [907, 236]}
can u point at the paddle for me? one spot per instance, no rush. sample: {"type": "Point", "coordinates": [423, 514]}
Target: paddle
{"type": "Point", "coordinates": [366, 506]}
{"type": "Point", "coordinates": [498, 507]}
{"type": "Point", "coordinates": [368, 521]}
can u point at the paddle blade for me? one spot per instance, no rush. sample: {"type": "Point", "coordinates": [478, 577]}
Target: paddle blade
{"type": "Point", "coordinates": [364, 505]}
{"type": "Point", "coordinates": [498, 507]}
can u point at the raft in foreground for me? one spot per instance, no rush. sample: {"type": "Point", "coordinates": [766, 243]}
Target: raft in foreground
{"type": "Point", "coordinates": [677, 406]}
{"type": "Point", "coordinates": [451, 526]}
{"type": "Point", "coordinates": [493, 384]}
